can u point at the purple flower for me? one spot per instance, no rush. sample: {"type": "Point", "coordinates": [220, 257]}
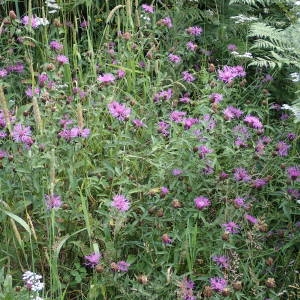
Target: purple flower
{"type": "Point", "coordinates": [53, 201]}
{"type": "Point", "coordinates": [33, 21]}
{"type": "Point", "coordinates": [293, 173]}
{"type": "Point", "coordinates": [166, 22]}
{"type": "Point", "coordinates": [122, 266]}
{"type": "Point", "coordinates": [185, 98]}
{"type": "Point", "coordinates": [30, 92]}
{"type": "Point", "coordinates": [62, 59]}
{"type": "Point", "coordinates": [164, 191]}
{"type": "Point", "coordinates": [203, 151]}
{"type": "Point", "coordinates": [148, 8]}
{"type": "Point", "coordinates": [223, 175]}
{"type": "Point", "coordinates": [42, 78]}
{"type": "Point", "coordinates": [119, 111]}
{"type": "Point", "coordinates": [166, 239]}
{"type": "Point", "coordinates": [22, 134]}
{"type": "Point", "coordinates": [232, 47]}
{"type": "Point", "coordinates": [239, 202]}
{"type": "Point", "coordinates": [55, 45]}
{"type": "Point", "coordinates": [294, 193]}
{"type": "Point", "coordinates": [177, 172]}
{"type": "Point", "coordinates": [231, 112]}
{"type": "Point", "coordinates": [18, 68]}
{"type": "Point", "coordinates": [253, 122]}
{"type": "Point", "coordinates": [282, 148]}
{"type": "Point", "coordinates": [174, 58]}
{"type": "Point", "coordinates": [218, 284]}
{"type": "Point", "coordinates": [138, 123]}
{"type": "Point", "coordinates": [267, 78]}
{"type": "Point", "coordinates": [201, 202]}
{"type": "Point", "coordinates": [163, 95]}
{"type": "Point", "coordinates": [3, 73]}
{"type": "Point", "coordinates": [189, 122]}
{"type": "Point", "coordinates": [3, 134]}
{"type": "Point", "coordinates": [251, 219]}
{"type": "Point", "coordinates": [121, 73]}
{"type": "Point", "coordinates": [227, 74]}
{"type": "Point", "coordinates": [191, 46]}
{"type": "Point", "coordinates": [221, 260]}
{"type": "Point", "coordinates": [106, 78]}
{"type": "Point", "coordinates": [207, 170]}
{"type": "Point", "coordinates": [92, 260]}
{"type": "Point", "coordinates": [84, 24]}
{"type": "Point", "coordinates": [194, 30]}
{"type": "Point", "coordinates": [177, 116]}
{"type": "Point", "coordinates": [163, 128]}
{"type": "Point", "coordinates": [216, 98]}
{"type": "Point", "coordinates": [3, 154]}
{"type": "Point", "coordinates": [240, 174]}
{"type": "Point", "coordinates": [188, 77]}
{"type": "Point", "coordinates": [186, 289]}
{"type": "Point", "coordinates": [120, 203]}
{"type": "Point", "coordinates": [259, 183]}
{"type": "Point", "coordinates": [231, 227]}
{"type": "Point", "coordinates": [291, 136]}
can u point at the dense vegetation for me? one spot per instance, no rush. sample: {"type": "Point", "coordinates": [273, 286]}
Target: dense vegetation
{"type": "Point", "coordinates": [149, 149]}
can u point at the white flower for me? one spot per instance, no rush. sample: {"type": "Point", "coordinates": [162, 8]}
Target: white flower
{"type": "Point", "coordinates": [295, 77]}
{"type": "Point", "coordinates": [32, 281]}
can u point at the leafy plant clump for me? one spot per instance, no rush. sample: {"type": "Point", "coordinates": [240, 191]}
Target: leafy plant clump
{"type": "Point", "coordinates": [146, 152]}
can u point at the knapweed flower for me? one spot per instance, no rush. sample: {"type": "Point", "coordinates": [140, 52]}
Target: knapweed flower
{"type": "Point", "coordinates": [231, 227]}
{"type": "Point", "coordinates": [17, 68]}
{"type": "Point", "coordinates": [253, 122]}
{"type": "Point", "coordinates": [3, 73]}
{"type": "Point", "coordinates": [62, 59]}
{"type": "Point", "coordinates": [163, 95]}
{"type": "Point", "coordinates": [291, 136]}
{"type": "Point", "coordinates": [163, 128]}
{"type": "Point", "coordinates": [92, 260]}
{"type": "Point", "coordinates": [215, 98]}
{"type": "Point", "coordinates": [239, 202]}
{"type": "Point", "coordinates": [177, 116]}
{"type": "Point", "coordinates": [121, 73]}
{"type": "Point", "coordinates": [53, 201]}
{"type": "Point", "coordinates": [167, 21]}
{"type": "Point", "coordinates": [203, 151]}
{"type": "Point", "coordinates": [166, 239]}
{"type": "Point", "coordinates": [282, 148]}
{"type": "Point", "coordinates": [259, 183]}
{"type": "Point", "coordinates": [164, 191]}
{"type": "Point", "coordinates": [294, 193]}
{"type": "Point", "coordinates": [186, 289]}
{"type": "Point", "coordinates": [120, 203]}
{"type": "Point", "coordinates": [174, 58]}
{"type": "Point", "coordinates": [293, 173]}
{"type": "Point", "coordinates": [34, 22]}
{"type": "Point", "coordinates": [22, 134]}
{"type": "Point", "coordinates": [191, 46]}
{"type": "Point", "coordinates": [185, 98]}
{"type": "Point", "coordinates": [30, 92]}
{"type": "Point", "coordinates": [123, 266]}
{"type": "Point", "coordinates": [138, 123]}
{"type": "Point", "coordinates": [240, 174]}
{"type": "Point", "coordinates": [231, 112]}
{"type": "Point", "coordinates": [250, 219]}
{"type": "Point", "coordinates": [187, 76]}
{"type": "Point", "coordinates": [221, 261]}
{"type": "Point", "coordinates": [148, 8]}
{"type": "Point", "coordinates": [75, 132]}
{"type": "Point", "coordinates": [218, 284]}
{"type": "Point", "coordinates": [177, 172]}
{"type": "Point", "coordinates": [227, 74]}
{"type": "Point", "coordinates": [232, 47]}
{"type": "Point", "coordinates": [32, 281]}
{"type": "Point", "coordinates": [189, 122]}
{"type": "Point", "coordinates": [194, 30]}
{"type": "Point", "coordinates": [119, 111]}
{"type": "Point", "coordinates": [201, 202]}
{"type": "Point", "coordinates": [84, 24]}
{"type": "Point", "coordinates": [106, 78]}
{"type": "Point", "coordinates": [42, 79]}
{"type": "Point", "coordinates": [56, 46]}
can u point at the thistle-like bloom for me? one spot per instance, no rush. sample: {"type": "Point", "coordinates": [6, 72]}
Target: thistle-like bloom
{"type": "Point", "coordinates": [187, 76]}
{"type": "Point", "coordinates": [216, 98]}
{"type": "Point", "coordinates": [194, 30]}
{"type": "Point", "coordinates": [148, 8]}
{"type": "Point", "coordinates": [166, 239]}
{"type": "Point", "coordinates": [106, 78]}
{"type": "Point", "coordinates": [120, 203]}
{"type": "Point", "coordinates": [177, 172]}
{"type": "Point", "coordinates": [253, 122]}
{"type": "Point", "coordinates": [240, 174]}
{"type": "Point", "coordinates": [123, 266]}
{"type": "Point", "coordinates": [232, 47]}
{"type": "Point", "coordinates": [3, 73]}
{"type": "Point", "coordinates": [163, 128]}
{"type": "Point", "coordinates": [166, 22]}
{"type": "Point", "coordinates": [22, 134]}
{"type": "Point", "coordinates": [138, 123]}
{"type": "Point", "coordinates": [231, 227]}
{"type": "Point", "coordinates": [218, 284]}
{"type": "Point", "coordinates": [282, 148]}
{"type": "Point", "coordinates": [177, 116]}
{"type": "Point", "coordinates": [119, 111]}
{"type": "Point", "coordinates": [56, 46]}
{"type": "Point", "coordinates": [62, 59]}
{"type": "Point", "coordinates": [201, 202]}
{"type": "Point", "coordinates": [92, 260]}
{"type": "Point", "coordinates": [174, 58]}
{"type": "Point", "coordinates": [251, 219]}
{"type": "Point", "coordinates": [53, 201]}
{"type": "Point", "coordinates": [231, 112]}
{"type": "Point", "coordinates": [164, 191]}
{"type": "Point", "coordinates": [294, 173]}
{"type": "Point", "coordinates": [239, 202]}
{"type": "Point", "coordinates": [259, 183]}
{"type": "Point", "coordinates": [191, 46]}
{"type": "Point", "coordinates": [221, 260]}
{"type": "Point", "coordinates": [163, 95]}
{"type": "Point", "coordinates": [203, 151]}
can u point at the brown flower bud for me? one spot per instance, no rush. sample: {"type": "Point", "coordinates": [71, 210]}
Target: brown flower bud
{"type": "Point", "coordinates": [226, 292]}
{"type": "Point", "coordinates": [207, 291]}
{"type": "Point", "coordinates": [12, 15]}
{"type": "Point", "coordinates": [143, 279]}
{"type": "Point", "coordinates": [237, 285]}
{"type": "Point", "coordinates": [211, 68]}
{"type": "Point", "coordinates": [99, 268]}
{"type": "Point", "coordinates": [269, 261]}
{"type": "Point", "coordinates": [270, 282]}
{"type": "Point", "coordinates": [50, 67]}
{"type": "Point", "coordinates": [225, 236]}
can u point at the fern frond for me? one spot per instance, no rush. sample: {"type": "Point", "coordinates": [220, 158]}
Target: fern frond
{"type": "Point", "coordinates": [254, 3]}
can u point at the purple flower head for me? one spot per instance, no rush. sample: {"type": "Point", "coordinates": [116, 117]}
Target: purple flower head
{"type": "Point", "coordinates": [166, 239]}
{"type": "Point", "coordinates": [201, 202]}
{"type": "Point", "coordinates": [294, 173]}
{"type": "Point", "coordinates": [166, 22]}
{"type": "Point", "coordinates": [148, 8]}
{"type": "Point", "coordinates": [92, 260]}
{"type": "Point", "coordinates": [84, 24]}
{"type": "Point", "coordinates": [163, 95]}
{"type": "Point", "coordinates": [294, 193]}
{"type": "Point", "coordinates": [56, 46]}
{"type": "Point", "coordinates": [33, 21]}
{"type": "Point", "coordinates": [232, 47]}
{"type": "Point", "coordinates": [18, 68]}
{"type": "Point", "coordinates": [122, 266]}
{"type": "Point", "coordinates": [267, 78]}
{"type": "Point", "coordinates": [191, 46]}
{"type": "Point", "coordinates": [62, 59]}
{"type": "Point", "coordinates": [207, 170]}
{"type": "Point", "coordinates": [177, 116]}
{"type": "Point", "coordinates": [221, 260]}
{"type": "Point", "coordinates": [186, 289]}
{"type": "Point", "coordinates": [164, 191]}
{"type": "Point", "coordinates": [174, 58]}
{"type": "Point", "coordinates": [231, 112]}
{"type": "Point", "coordinates": [231, 227]}
{"type": "Point", "coordinates": [106, 78]}
{"type": "Point", "coordinates": [3, 154]}
{"type": "Point", "coordinates": [223, 175]}
{"type": "Point", "coordinates": [42, 78]}
{"type": "Point", "coordinates": [119, 111]}
{"type": "Point", "coordinates": [227, 74]}
{"type": "Point", "coordinates": [259, 183]}
{"type": "Point", "coordinates": [189, 122]}
{"type": "Point", "coordinates": [203, 151]}
{"type": "Point", "coordinates": [53, 201]}
{"type": "Point", "coordinates": [120, 203]}
{"type": "Point", "coordinates": [216, 98]}
{"type": "Point", "coordinates": [194, 30]}
{"type": "Point", "coordinates": [30, 92]}
{"type": "Point", "coordinates": [163, 128]}
{"type": "Point", "coordinates": [121, 73]}
{"type": "Point", "coordinates": [138, 123]}
{"type": "Point", "coordinates": [239, 202]}
{"type": "Point", "coordinates": [22, 134]}
{"type": "Point", "coordinates": [240, 174]}
{"type": "Point", "coordinates": [282, 148]}
{"type": "Point", "coordinates": [188, 77]}
{"type": "Point", "coordinates": [185, 99]}
{"type": "Point", "coordinates": [291, 136]}
{"type": "Point", "coordinates": [3, 134]}
{"type": "Point", "coordinates": [177, 172]}
{"type": "Point", "coordinates": [253, 122]}
{"type": "Point", "coordinates": [218, 284]}
{"type": "Point", "coordinates": [3, 73]}
{"type": "Point", "coordinates": [251, 219]}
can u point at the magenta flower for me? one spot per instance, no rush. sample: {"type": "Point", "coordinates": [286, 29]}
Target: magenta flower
{"type": "Point", "coordinates": [259, 183]}
{"type": "Point", "coordinates": [194, 30]}
{"type": "Point", "coordinates": [239, 202]}
{"type": "Point", "coordinates": [293, 173]}
{"type": "Point", "coordinates": [174, 58]}
{"type": "Point", "coordinates": [164, 191]}
{"type": "Point", "coordinates": [166, 239]}
{"type": "Point", "coordinates": [106, 78]}
{"type": "Point", "coordinates": [120, 203]}
{"type": "Point", "coordinates": [163, 95]}
{"type": "Point", "coordinates": [253, 122]}
{"type": "Point", "coordinates": [18, 68]}
{"type": "Point", "coordinates": [166, 22]}
{"type": "Point", "coordinates": [122, 266]}
{"type": "Point", "coordinates": [227, 74]}
{"type": "Point", "coordinates": [232, 47]}
{"type": "Point", "coordinates": [177, 172]}
{"type": "Point", "coordinates": [282, 148]}
{"type": "Point", "coordinates": [189, 122]}
{"type": "Point", "coordinates": [216, 98]}
{"type": "Point", "coordinates": [177, 116]}
{"type": "Point", "coordinates": [218, 284]}
{"type": "Point", "coordinates": [121, 73]}
{"type": "Point", "coordinates": [138, 123]}
{"type": "Point", "coordinates": [42, 78]}
{"type": "Point", "coordinates": [240, 174]}
{"type": "Point", "coordinates": [187, 76]}
{"type": "Point", "coordinates": [294, 193]}
{"type": "Point", "coordinates": [119, 111]}
{"type": "Point", "coordinates": [191, 46]}
{"type": "Point", "coordinates": [62, 59]}
{"type": "Point", "coordinates": [231, 227]}
{"type": "Point", "coordinates": [30, 92]}
{"type": "Point", "coordinates": [148, 8]}
{"type": "Point", "coordinates": [221, 260]}
{"type": "Point", "coordinates": [84, 24]}
{"type": "Point", "coordinates": [186, 289]}
{"type": "Point", "coordinates": [163, 128]}
{"type": "Point", "coordinates": [22, 134]}
{"type": "Point", "coordinates": [92, 260]}
{"type": "Point", "coordinates": [201, 202]}
{"type": "Point", "coordinates": [185, 99]}
{"type": "Point", "coordinates": [33, 21]}
{"type": "Point", "coordinates": [203, 151]}
{"type": "Point", "coordinates": [251, 219]}
{"type": "Point", "coordinates": [3, 73]}
{"type": "Point", "coordinates": [56, 46]}
{"type": "Point", "coordinates": [53, 201]}
{"type": "Point", "coordinates": [231, 112]}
